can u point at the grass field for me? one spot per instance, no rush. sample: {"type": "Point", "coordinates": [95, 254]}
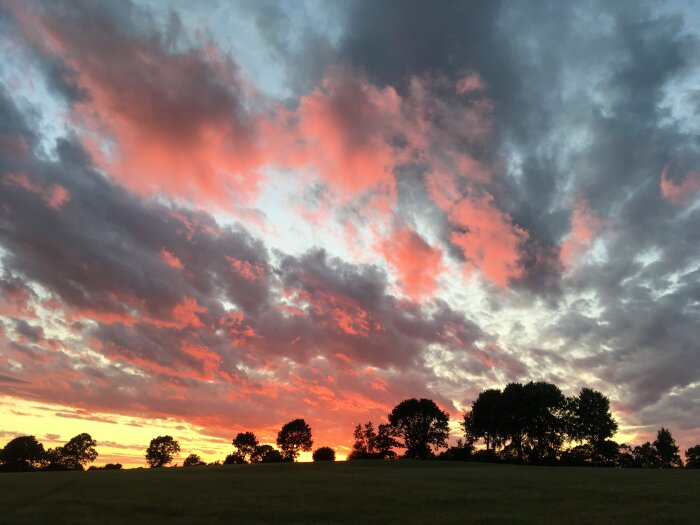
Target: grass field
{"type": "Point", "coordinates": [354, 492]}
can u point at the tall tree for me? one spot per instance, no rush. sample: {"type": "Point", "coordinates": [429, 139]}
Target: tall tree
{"type": "Point", "coordinates": [591, 421]}
{"type": "Point", "coordinates": [667, 450]}
{"type": "Point", "coordinates": [513, 419]}
{"type": "Point", "coordinates": [245, 443]}
{"type": "Point", "coordinates": [161, 450]}
{"type": "Point", "coordinates": [22, 453]}
{"type": "Point", "coordinates": [421, 426]}
{"type": "Point", "coordinates": [294, 437]}
{"type": "Point", "coordinates": [543, 406]}
{"type": "Point", "coordinates": [484, 421]}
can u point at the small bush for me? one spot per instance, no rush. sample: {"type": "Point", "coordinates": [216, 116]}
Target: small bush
{"type": "Point", "coordinates": [324, 454]}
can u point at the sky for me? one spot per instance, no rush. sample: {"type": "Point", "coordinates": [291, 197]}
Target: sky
{"type": "Point", "coordinates": [221, 216]}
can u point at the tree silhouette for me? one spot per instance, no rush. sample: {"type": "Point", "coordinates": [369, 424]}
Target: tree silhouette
{"type": "Point", "coordinates": [294, 437]}
{"type": "Point", "coordinates": [484, 421]}
{"type": "Point", "coordinates": [161, 450]}
{"type": "Point", "coordinates": [22, 453]}
{"type": "Point", "coordinates": [245, 443]}
{"type": "Point", "coordinates": [646, 456]}
{"type": "Point", "coordinates": [421, 425]}
{"type": "Point", "coordinates": [544, 427]}
{"type": "Point", "coordinates": [373, 445]}
{"type": "Point", "coordinates": [193, 460]}
{"type": "Point", "coordinates": [667, 450]}
{"type": "Point", "coordinates": [692, 457]}
{"type": "Point", "coordinates": [266, 454]}
{"type": "Point", "coordinates": [234, 459]}
{"type": "Point", "coordinates": [591, 421]}
{"type": "Point", "coordinates": [78, 452]}
{"type": "Point", "coordinates": [324, 454]}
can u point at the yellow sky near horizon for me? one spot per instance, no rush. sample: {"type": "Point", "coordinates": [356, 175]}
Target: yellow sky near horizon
{"type": "Point", "coordinates": [120, 439]}
{"type": "Point", "coordinates": [123, 439]}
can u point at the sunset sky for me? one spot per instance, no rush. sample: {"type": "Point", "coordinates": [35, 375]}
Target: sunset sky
{"type": "Point", "coordinates": [220, 216]}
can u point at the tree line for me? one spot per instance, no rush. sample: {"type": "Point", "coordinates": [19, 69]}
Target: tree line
{"type": "Point", "coordinates": [532, 423]}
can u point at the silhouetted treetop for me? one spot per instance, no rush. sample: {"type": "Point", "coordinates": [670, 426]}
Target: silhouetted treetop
{"type": "Point", "coordinates": [666, 449]}
{"type": "Point", "coordinates": [22, 453]}
{"type": "Point", "coordinates": [245, 443]}
{"type": "Point", "coordinates": [692, 457]}
{"type": "Point", "coordinates": [266, 454]}
{"type": "Point", "coordinates": [420, 425]}
{"type": "Point", "coordinates": [161, 450]}
{"type": "Point", "coordinates": [294, 437]}
{"type": "Point", "coordinates": [371, 444]}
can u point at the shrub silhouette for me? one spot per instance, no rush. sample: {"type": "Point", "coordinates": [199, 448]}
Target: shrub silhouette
{"type": "Point", "coordinates": [193, 460]}
{"type": "Point", "coordinates": [324, 454]}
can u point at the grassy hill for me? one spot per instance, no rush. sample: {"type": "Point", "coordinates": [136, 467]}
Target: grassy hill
{"type": "Point", "coordinates": [355, 492]}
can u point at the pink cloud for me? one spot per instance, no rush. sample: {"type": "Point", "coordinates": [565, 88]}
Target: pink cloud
{"type": "Point", "coordinates": [170, 259]}
{"type": "Point", "coordinates": [248, 270]}
{"type": "Point", "coordinates": [158, 121]}
{"type": "Point", "coordinates": [54, 195]}
{"type": "Point", "coordinates": [585, 226]}
{"type": "Point", "coordinates": [417, 264]}
{"type": "Point", "coordinates": [468, 84]}
{"type": "Point", "coordinates": [679, 192]}
{"type": "Point", "coordinates": [345, 126]}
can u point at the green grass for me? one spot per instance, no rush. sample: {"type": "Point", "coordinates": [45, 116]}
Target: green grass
{"type": "Point", "coordinates": [355, 492]}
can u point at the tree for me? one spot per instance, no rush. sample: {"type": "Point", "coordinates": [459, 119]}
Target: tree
{"type": "Point", "coordinates": [78, 452]}
{"type": "Point", "coordinates": [692, 457]}
{"type": "Point", "coordinates": [245, 443]}
{"type": "Point", "coordinates": [543, 407]}
{"type": "Point", "coordinates": [234, 459]}
{"type": "Point", "coordinates": [484, 421]}
{"type": "Point", "coordinates": [373, 445]}
{"type": "Point", "coordinates": [22, 453]}
{"type": "Point", "coordinates": [324, 454]}
{"type": "Point", "coordinates": [294, 437]}
{"type": "Point", "coordinates": [193, 460]}
{"type": "Point", "coordinates": [646, 456]}
{"type": "Point", "coordinates": [591, 421]}
{"type": "Point", "coordinates": [513, 420]}
{"type": "Point", "coordinates": [161, 451]}
{"type": "Point", "coordinates": [266, 454]}
{"type": "Point", "coordinates": [421, 425]}
{"type": "Point", "coordinates": [667, 450]}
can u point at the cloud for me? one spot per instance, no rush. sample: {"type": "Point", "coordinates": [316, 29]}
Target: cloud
{"type": "Point", "coordinates": [417, 264]}
{"type": "Point", "coordinates": [562, 176]}
{"type": "Point", "coordinates": [156, 117]}
{"type": "Point", "coordinates": [682, 191]}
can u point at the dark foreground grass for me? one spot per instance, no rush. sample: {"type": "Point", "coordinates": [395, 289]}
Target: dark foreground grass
{"type": "Point", "coordinates": [356, 492]}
